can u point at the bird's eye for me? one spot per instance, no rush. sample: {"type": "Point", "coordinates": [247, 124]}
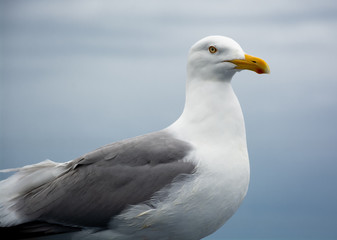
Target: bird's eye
{"type": "Point", "coordinates": [212, 49]}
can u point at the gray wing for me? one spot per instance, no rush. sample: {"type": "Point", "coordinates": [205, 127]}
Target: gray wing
{"type": "Point", "coordinates": [104, 182]}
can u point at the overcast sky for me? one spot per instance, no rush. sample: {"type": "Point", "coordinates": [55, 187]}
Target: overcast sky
{"type": "Point", "coordinates": [78, 74]}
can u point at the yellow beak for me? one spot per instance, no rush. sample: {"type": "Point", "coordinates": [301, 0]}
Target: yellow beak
{"type": "Point", "coordinates": [255, 64]}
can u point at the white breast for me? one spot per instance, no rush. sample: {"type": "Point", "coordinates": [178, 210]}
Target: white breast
{"type": "Point", "coordinates": [212, 196]}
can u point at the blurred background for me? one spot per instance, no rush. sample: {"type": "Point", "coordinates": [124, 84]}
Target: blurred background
{"type": "Point", "coordinates": [78, 74]}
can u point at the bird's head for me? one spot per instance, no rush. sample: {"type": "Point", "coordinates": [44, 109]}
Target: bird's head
{"type": "Point", "coordinates": [218, 57]}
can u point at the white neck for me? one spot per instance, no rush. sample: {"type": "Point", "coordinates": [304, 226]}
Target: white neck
{"type": "Point", "coordinates": [212, 114]}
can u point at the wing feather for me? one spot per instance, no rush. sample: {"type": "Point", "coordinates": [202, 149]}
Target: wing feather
{"type": "Point", "coordinates": [105, 182]}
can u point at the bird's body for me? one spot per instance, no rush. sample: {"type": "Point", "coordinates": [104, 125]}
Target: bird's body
{"type": "Point", "coordinates": [183, 182]}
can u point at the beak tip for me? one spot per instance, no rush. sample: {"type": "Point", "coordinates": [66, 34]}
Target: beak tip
{"type": "Point", "coordinates": [263, 71]}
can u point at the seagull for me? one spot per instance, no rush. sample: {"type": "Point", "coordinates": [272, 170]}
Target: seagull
{"type": "Point", "coordinates": [180, 183]}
